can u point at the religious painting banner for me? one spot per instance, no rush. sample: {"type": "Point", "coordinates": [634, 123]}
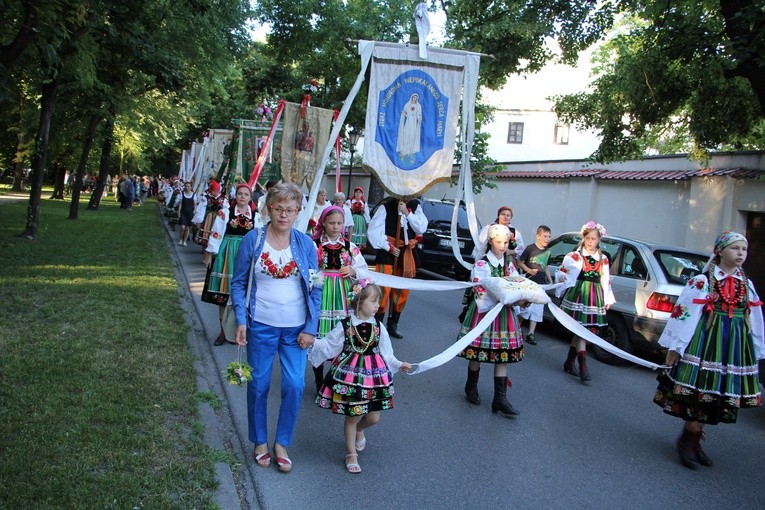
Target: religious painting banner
{"type": "Point", "coordinates": [248, 141]}
{"type": "Point", "coordinates": [304, 136]}
{"type": "Point", "coordinates": [413, 108]}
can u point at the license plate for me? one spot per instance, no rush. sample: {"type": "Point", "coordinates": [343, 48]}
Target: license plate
{"type": "Point", "coordinates": [447, 243]}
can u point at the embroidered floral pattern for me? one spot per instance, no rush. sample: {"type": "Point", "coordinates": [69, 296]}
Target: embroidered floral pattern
{"type": "Point", "coordinates": [680, 312]}
{"type": "Point", "coordinates": [270, 268]}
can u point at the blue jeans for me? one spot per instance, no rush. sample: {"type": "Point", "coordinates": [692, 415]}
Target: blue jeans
{"type": "Point", "coordinates": [263, 342]}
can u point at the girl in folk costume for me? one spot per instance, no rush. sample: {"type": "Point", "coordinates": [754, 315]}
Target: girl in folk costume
{"type": "Point", "coordinates": [188, 204]}
{"type": "Point", "coordinates": [359, 383]}
{"type": "Point", "coordinates": [715, 337]}
{"type": "Point", "coordinates": [588, 295]}
{"type": "Point", "coordinates": [361, 218]}
{"type": "Point", "coordinates": [502, 342]}
{"type": "Point", "coordinates": [230, 226]}
{"type": "Point", "coordinates": [214, 201]}
{"type": "Point", "coordinates": [339, 260]}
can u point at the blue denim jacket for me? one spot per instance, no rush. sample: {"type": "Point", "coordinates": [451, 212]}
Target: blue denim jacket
{"type": "Point", "coordinates": [306, 257]}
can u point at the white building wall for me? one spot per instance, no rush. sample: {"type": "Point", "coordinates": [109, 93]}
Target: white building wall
{"type": "Point", "coordinates": [526, 98]}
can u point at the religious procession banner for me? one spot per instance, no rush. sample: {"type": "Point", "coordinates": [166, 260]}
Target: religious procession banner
{"type": "Point", "coordinates": [413, 108]}
{"type": "Point", "coordinates": [305, 132]}
{"type": "Point", "coordinates": [249, 139]}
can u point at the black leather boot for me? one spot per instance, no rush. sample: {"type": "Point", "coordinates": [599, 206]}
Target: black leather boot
{"type": "Point", "coordinates": [701, 457]}
{"type": "Point", "coordinates": [471, 387]}
{"type": "Point", "coordinates": [568, 366]}
{"type": "Point", "coordinates": [392, 325]}
{"type": "Point", "coordinates": [500, 403]}
{"type": "Point", "coordinates": [686, 449]}
{"type": "Point", "coordinates": [584, 373]}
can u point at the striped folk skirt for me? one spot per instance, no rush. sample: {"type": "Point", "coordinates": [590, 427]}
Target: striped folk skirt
{"type": "Point", "coordinates": [217, 288]}
{"type": "Point", "coordinates": [334, 302]}
{"type": "Point", "coordinates": [584, 302]}
{"type": "Point", "coordinates": [717, 375]}
{"type": "Point", "coordinates": [502, 342]}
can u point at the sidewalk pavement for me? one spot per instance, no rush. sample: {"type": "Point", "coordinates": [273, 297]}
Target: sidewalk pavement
{"type": "Point", "coordinates": [236, 489]}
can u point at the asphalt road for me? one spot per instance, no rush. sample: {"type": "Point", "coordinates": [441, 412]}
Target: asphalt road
{"type": "Point", "coordinates": [604, 445]}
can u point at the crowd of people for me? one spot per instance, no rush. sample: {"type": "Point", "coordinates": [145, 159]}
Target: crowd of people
{"type": "Point", "coordinates": [309, 296]}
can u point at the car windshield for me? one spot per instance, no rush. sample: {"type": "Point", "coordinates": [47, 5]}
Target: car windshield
{"type": "Point", "coordinates": [442, 213]}
{"type": "Point", "coordinates": [680, 266]}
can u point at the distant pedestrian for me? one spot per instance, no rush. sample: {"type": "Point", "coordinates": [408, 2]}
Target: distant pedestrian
{"type": "Point", "coordinates": [715, 337]}
{"type": "Point", "coordinates": [587, 293]}
{"type": "Point", "coordinates": [359, 383]}
{"type": "Point", "coordinates": [186, 213]}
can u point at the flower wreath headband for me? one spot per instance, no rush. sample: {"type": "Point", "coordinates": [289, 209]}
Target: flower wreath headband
{"type": "Point", "coordinates": [358, 287]}
{"type": "Point", "coordinates": [591, 225]}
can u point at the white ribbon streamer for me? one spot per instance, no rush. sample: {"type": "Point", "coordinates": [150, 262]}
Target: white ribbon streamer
{"type": "Point", "coordinates": [459, 345]}
{"type": "Point", "coordinates": [576, 328]}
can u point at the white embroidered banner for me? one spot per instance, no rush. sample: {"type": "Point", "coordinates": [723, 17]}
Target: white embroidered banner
{"type": "Point", "coordinates": [412, 111]}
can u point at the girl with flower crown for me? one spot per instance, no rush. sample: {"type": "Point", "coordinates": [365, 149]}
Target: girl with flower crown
{"type": "Point", "coordinates": [339, 260]}
{"type": "Point", "coordinates": [359, 383]}
{"type": "Point", "coordinates": [361, 218]}
{"type": "Point", "coordinates": [714, 338]}
{"type": "Point", "coordinates": [588, 294]}
{"type": "Point", "coordinates": [230, 226]}
{"type": "Point", "coordinates": [502, 342]}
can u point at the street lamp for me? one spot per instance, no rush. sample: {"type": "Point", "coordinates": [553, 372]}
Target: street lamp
{"type": "Point", "coordinates": [353, 139]}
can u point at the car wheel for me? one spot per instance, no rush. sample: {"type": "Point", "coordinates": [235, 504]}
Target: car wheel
{"type": "Point", "coordinates": [618, 336]}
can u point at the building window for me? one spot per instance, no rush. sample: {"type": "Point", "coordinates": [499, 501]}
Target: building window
{"type": "Point", "coordinates": [515, 132]}
{"type": "Point", "coordinates": [561, 134]}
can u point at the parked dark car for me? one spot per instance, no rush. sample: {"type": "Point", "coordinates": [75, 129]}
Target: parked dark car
{"type": "Point", "coordinates": [435, 251]}
{"type": "Point", "coordinates": [646, 279]}
{"type": "Point", "coordinates": [436, 248]}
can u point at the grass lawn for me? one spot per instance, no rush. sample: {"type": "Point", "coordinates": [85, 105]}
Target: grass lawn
{"type": "Point", "coordinates": [98, 398]}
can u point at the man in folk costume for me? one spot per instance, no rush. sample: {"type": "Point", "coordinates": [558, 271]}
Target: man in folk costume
{"type": "Point", "coordinates": [394, 232]}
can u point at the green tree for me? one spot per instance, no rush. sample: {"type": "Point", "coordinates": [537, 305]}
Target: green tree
{"type": "Point", "coordinates": [677, 77]}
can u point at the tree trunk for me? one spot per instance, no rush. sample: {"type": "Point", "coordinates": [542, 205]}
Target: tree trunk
{"type": "Point", "coordinates": [18, 164]}
{"type": "Point", "coordinates": [77, 185]}
{"type": "Point", "coordinates": [103, 171]}
{"type": "Point", "coordinates": [59, 174]}
{"type": "Point", "coordinates": [40, 158]}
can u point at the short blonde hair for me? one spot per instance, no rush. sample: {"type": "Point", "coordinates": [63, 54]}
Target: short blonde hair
{"type": "Point", "coordinates": [283, 192]}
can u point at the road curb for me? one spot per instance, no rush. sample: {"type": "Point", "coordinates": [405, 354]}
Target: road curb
{"type": "Point", "coordinates": [219, 427]}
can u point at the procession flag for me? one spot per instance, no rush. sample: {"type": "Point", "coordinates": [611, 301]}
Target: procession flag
{"type": "Point", "coordinates": [413, 108]}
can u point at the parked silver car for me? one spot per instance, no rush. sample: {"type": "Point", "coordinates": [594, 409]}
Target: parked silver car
{"type": "Point", "coordinates": [646, 279]}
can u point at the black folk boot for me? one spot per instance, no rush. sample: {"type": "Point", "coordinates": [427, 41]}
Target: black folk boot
{"type": "Point", "coordinates": [500, 403]}
{"type": "Point", "coordinates": [471, 387]}
{"type": "Point", "coordinates": [568, 366]}
{"type": "Point", "coordinates": [392, 325]}
{"type": "Point", "coordinates": [686, 449]}
{"type": "Point", "coordinates": [584, 373]}
{"type": "Point", "coordinates": [700, 456]}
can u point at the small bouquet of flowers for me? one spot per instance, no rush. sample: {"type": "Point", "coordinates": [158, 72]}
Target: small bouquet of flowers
{"type": "Point", "coordinates": [265, 111]}
{"type": "Point", "coordinates": [311, 86]}
{"type": "Point", "coordinates": [238, 372]}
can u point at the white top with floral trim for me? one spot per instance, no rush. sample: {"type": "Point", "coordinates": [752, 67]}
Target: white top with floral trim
{"type": "Point", "coordinates": [686, 314]}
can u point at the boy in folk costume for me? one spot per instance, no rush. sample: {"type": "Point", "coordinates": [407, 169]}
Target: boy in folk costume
{"type": "Point", "coordinates": [394, 232]}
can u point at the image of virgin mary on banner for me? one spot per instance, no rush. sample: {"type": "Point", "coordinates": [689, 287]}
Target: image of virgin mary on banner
{"type": "Point", "coordinates": [412, 114]}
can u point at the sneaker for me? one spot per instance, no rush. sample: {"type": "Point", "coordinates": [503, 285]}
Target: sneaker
{"type": "Point", "coordinates": [530, 339]}
{"type": "Point", "coordinates": [180, 243]}
{"type": "Point", "coordinates": [184, 243]}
